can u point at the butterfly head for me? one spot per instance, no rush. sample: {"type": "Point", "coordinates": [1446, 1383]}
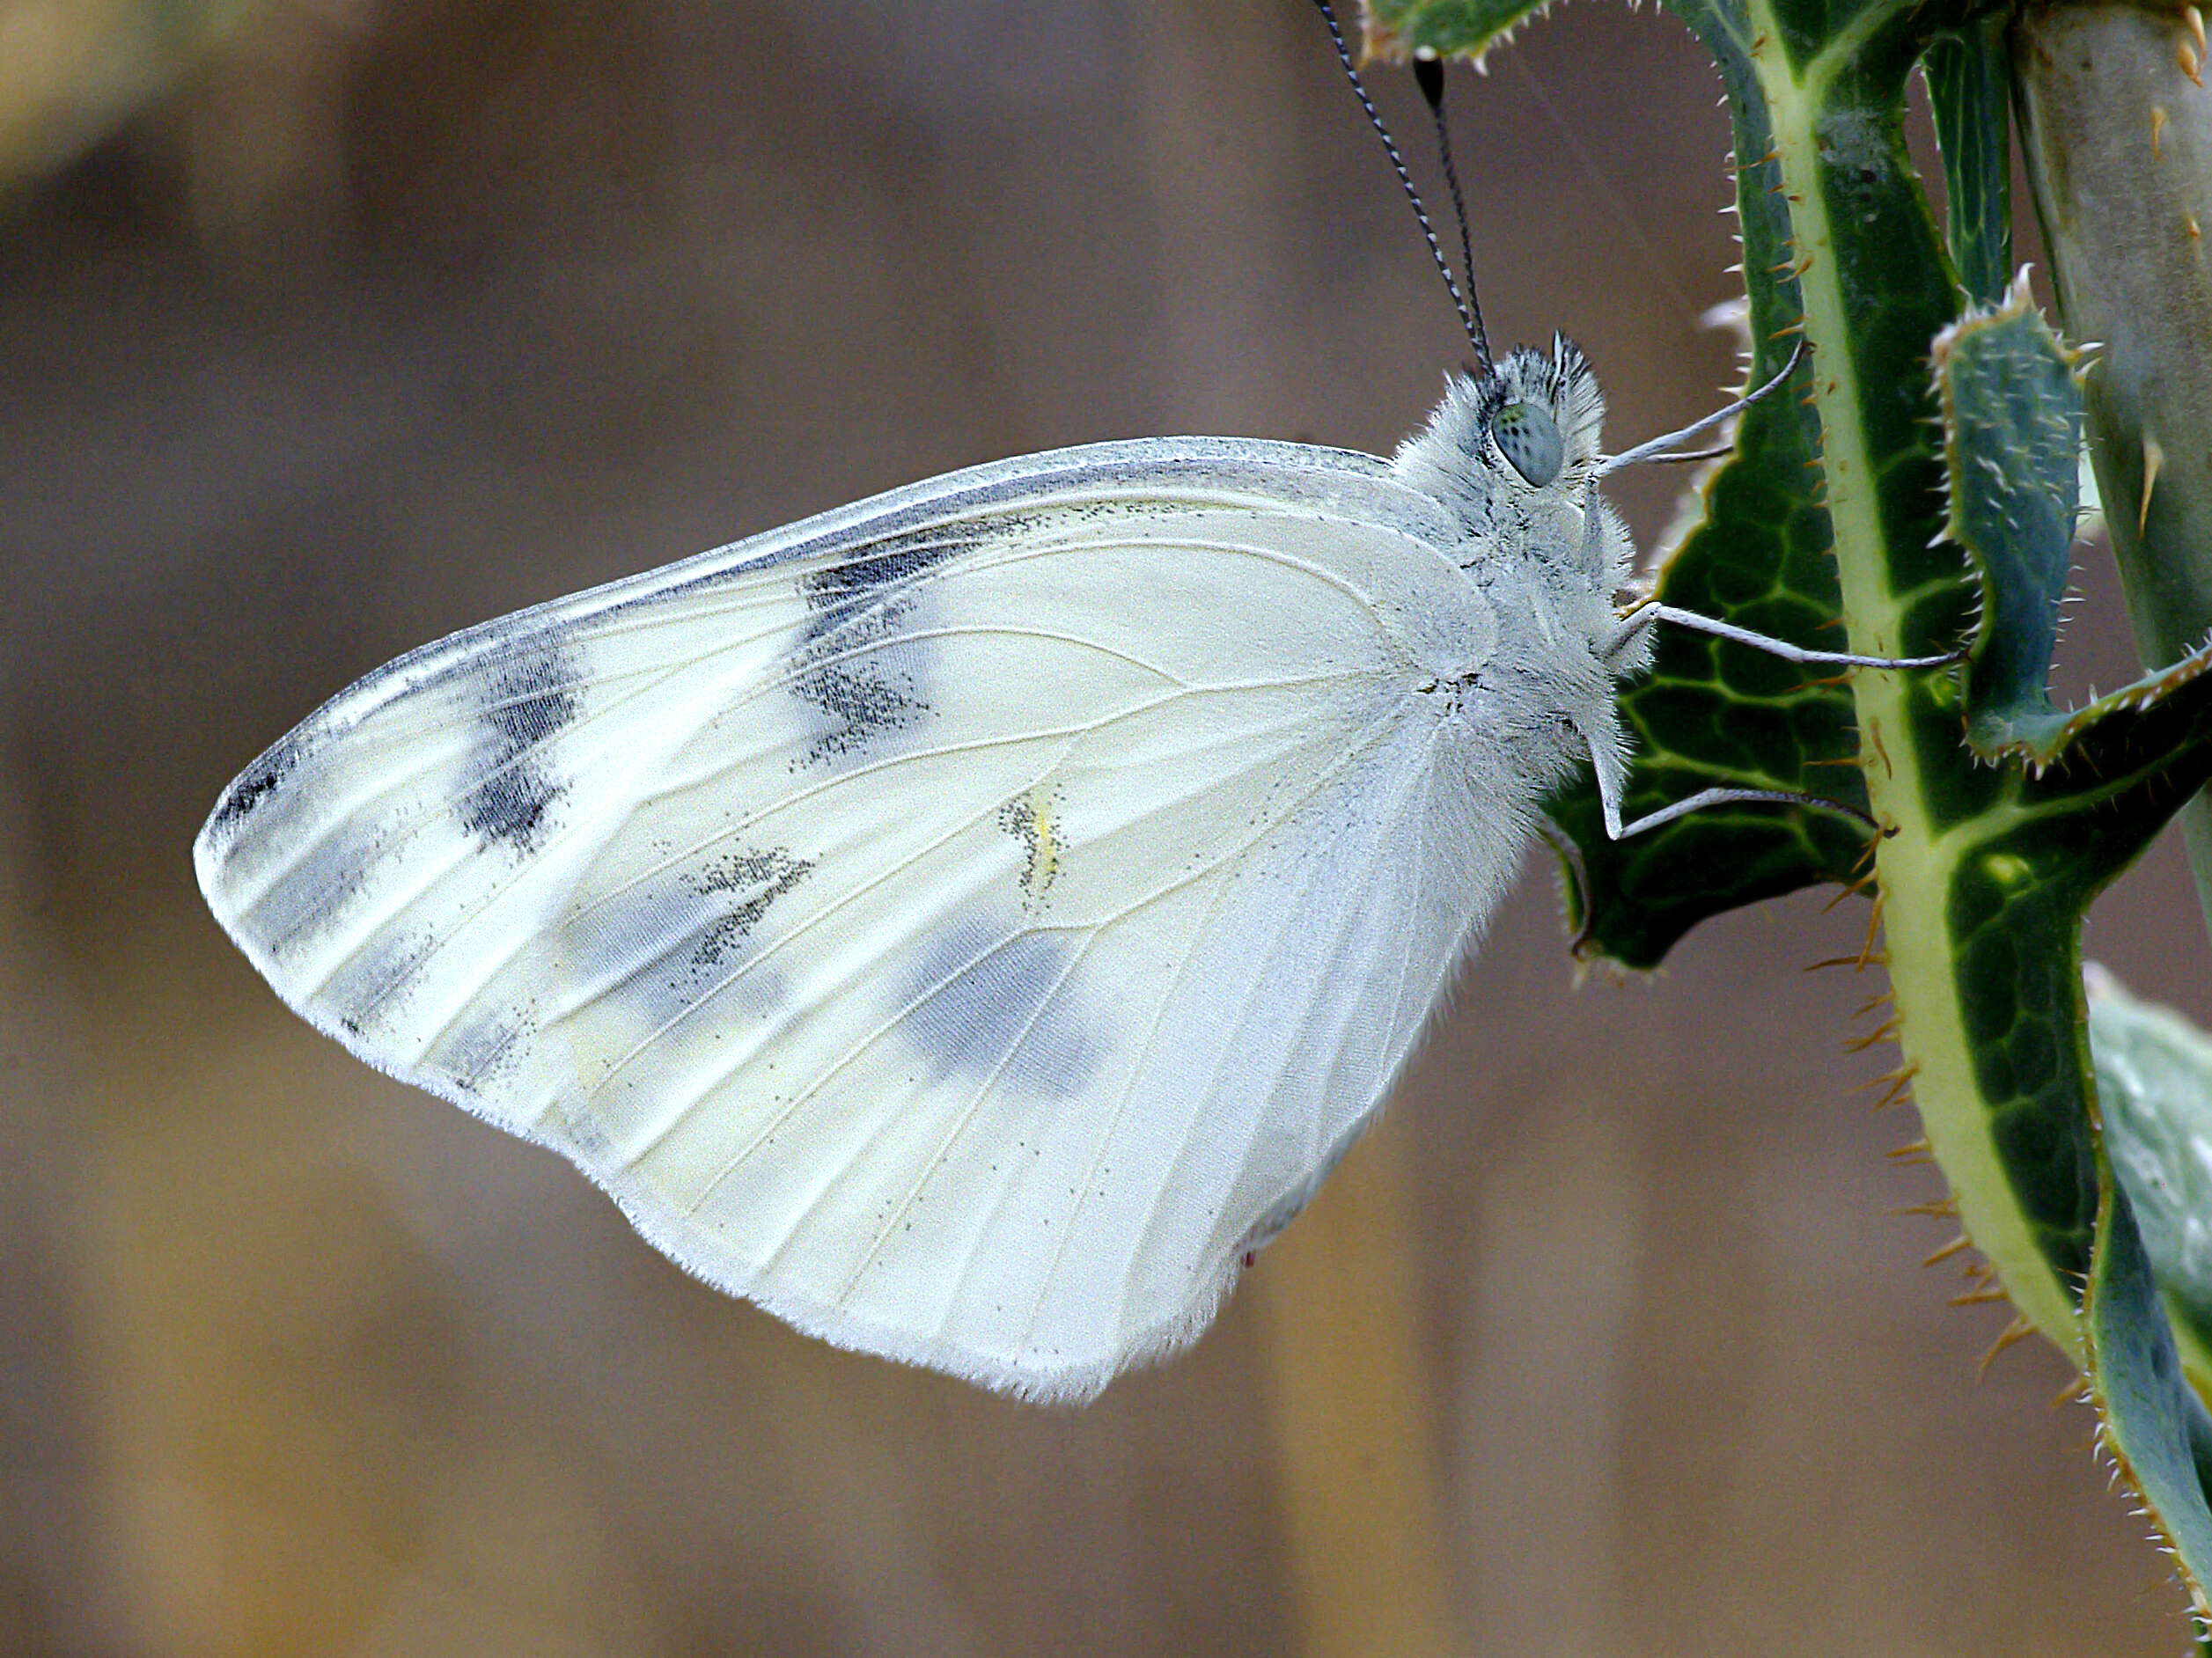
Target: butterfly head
{"type": "Point", "coordinates": [1513, 449]}
{"type": "Point", "coordinates": [1539, 413]}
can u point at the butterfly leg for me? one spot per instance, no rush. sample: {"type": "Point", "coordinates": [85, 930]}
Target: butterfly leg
{"type": "Point", "coordinates": [1611, 768]}
{"type": "Point", "coordinates": [1649, 614]}
{"type": "Point", "coordinates": [1612, 779]}
{"type": "Point", "coordinates": [1656, 448]}
{"type": "Point", "coordinates": [1615, 830]}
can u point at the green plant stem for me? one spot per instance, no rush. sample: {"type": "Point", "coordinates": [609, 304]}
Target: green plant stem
{"type": "Point", "coordinates": [2118, 137]}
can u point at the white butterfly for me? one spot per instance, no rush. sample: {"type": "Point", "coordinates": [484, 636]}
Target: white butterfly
{"type": "Point", "coordinates": [969, 923]}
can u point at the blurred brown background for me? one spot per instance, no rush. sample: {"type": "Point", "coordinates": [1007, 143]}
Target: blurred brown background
{"type": "Point", "coordinates": [332, 324]}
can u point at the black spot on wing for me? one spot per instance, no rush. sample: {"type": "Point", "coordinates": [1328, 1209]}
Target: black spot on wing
{"type": "Point", "coordinates": [855, 674]}
{"type": "Point", "coordinates": [661, 950]}
{"type": "Point", "coordinates": [886, 563]}
{"type": "Point", "coordinates": [864, 700]}
{"type": "Point", "coordinates": [755, 880]}
{"type": "Point", "coordinates": [525, 703]}
{"type": "Point", "coordinates": [255, 784]}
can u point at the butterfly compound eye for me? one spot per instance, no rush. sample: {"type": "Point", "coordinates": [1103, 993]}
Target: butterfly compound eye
{"type": "Point", "coordinates": [1527, 437]}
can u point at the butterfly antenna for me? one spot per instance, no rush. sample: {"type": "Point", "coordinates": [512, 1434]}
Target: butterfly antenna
{"type": "Point", "coordinates": [1470, 319]}
{"type": "Point", "coordinates": [1429, 76]}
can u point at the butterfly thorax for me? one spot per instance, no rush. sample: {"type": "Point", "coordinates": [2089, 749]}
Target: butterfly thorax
{"type": "Point", "coordinates": [1511, 455]}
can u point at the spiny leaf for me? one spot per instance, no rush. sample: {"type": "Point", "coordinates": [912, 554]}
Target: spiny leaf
{"type": "Point", "coordinates": [1970, 90]}
{"type": "Point", "coordinates": [2154, 1426]}
{"type": "Point", "coordinates": [1990, 978]}
{"type": "Point", "coordinates": [2016, 1142]}
{"type": "Point", "coordinates": [1719, 716]}
{"type": "Point", "coordinates": [2137, 752]}
{"type": "Point", "coordinates": [1398, 29]}
{"type": "Point", "coordinates": [2153, 1090]}
{"type": "Point", "coordinates": [2012, 441]}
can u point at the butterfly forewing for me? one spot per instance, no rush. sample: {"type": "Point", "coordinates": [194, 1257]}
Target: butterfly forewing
{"type": "Point", "coordinates": [957, 921]}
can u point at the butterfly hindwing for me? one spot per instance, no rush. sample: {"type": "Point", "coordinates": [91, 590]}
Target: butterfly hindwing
{"type": "Point", "coordinates": [965, 922]}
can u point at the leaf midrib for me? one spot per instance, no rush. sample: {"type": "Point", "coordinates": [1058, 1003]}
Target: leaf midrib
{"type": "Point", "coordinates": [1917, 862]}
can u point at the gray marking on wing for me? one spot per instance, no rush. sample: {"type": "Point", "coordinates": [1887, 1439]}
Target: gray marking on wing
{"type": "Point", "coordinates": [663, 948]}
{"type": "Point", "coordinates": [980, 987]}
{"type": "Point", "coordinates": [317, 890]}
{"type": "Point", "coordinates": [482, 1049]}
{"type": "Point", "coordinates": [371, 981]}
{"type": "Point", "coordinates": [525, 703]}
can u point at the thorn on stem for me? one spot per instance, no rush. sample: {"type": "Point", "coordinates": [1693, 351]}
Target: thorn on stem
{"type": "Point", "coordinates": [2018, 1329]}
{"type": "Point", "coordinates": [1979, 1297]}
{"type": "Point", "coordinates": [1942, 1209]}
{"type": "Point", "coordinates": [1962, 1241]}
